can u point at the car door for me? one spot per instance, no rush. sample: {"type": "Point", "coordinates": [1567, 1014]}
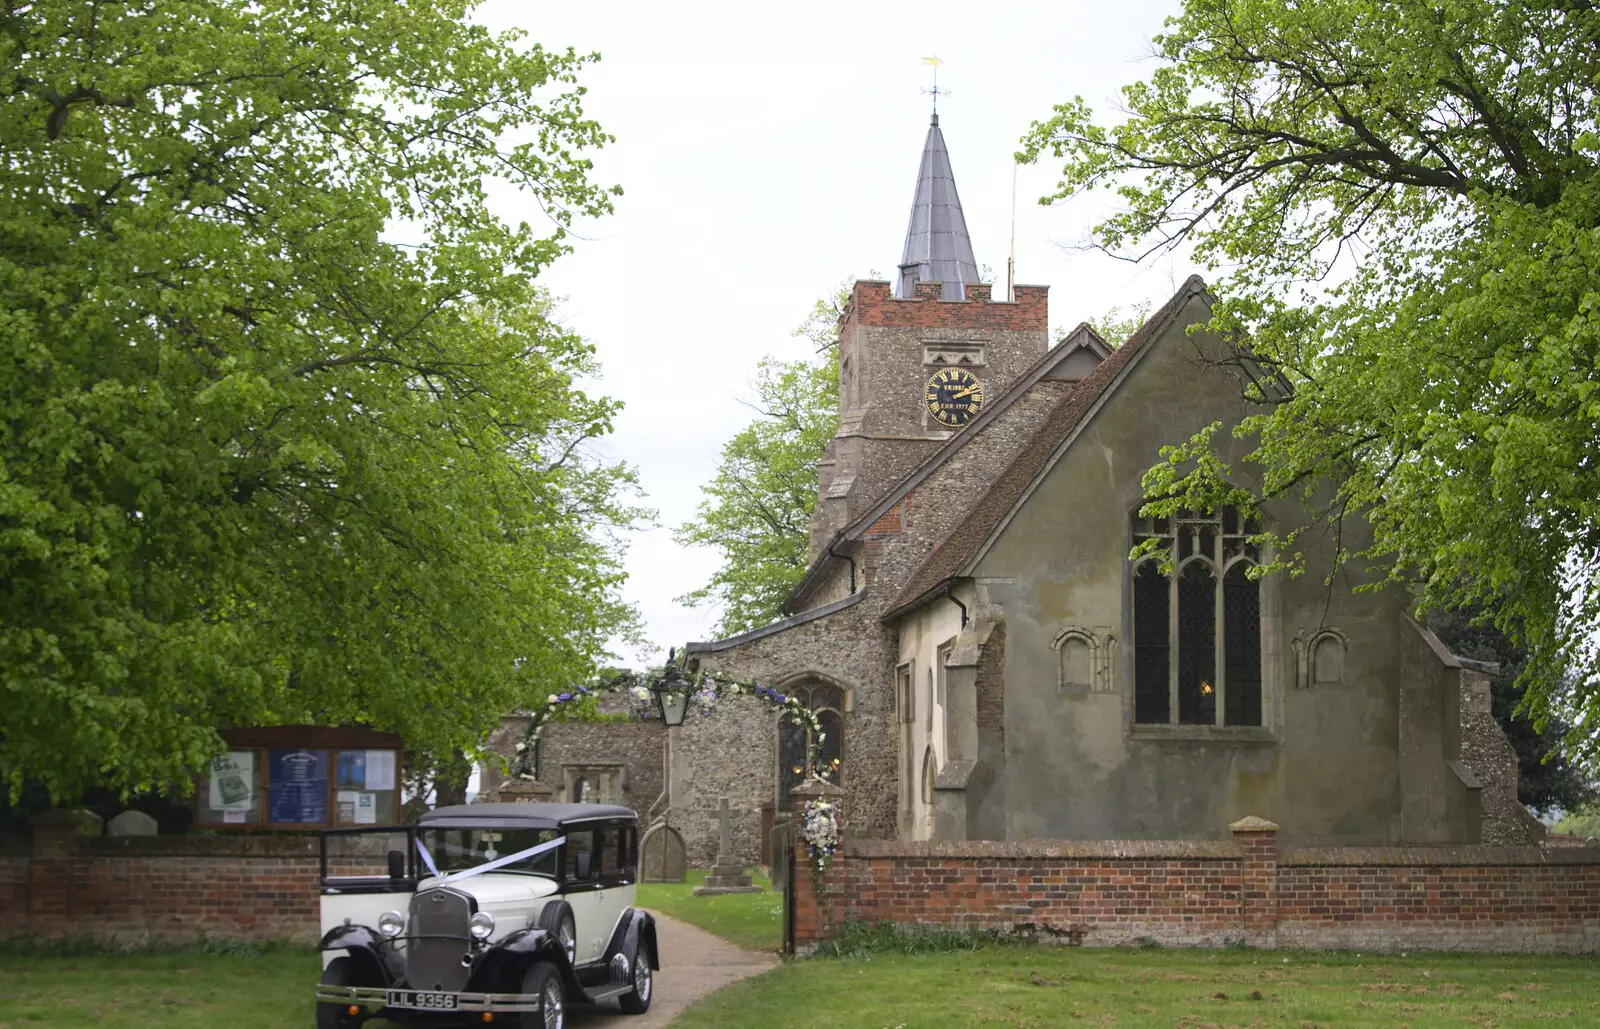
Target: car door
{"type": "Point", "coordinates": [581, 890]}
{"type": "Point", "coordinates": [618, 857]}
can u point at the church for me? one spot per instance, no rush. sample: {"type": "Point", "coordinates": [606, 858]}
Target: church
{"type": "Point", "coordinates": [990, 665]}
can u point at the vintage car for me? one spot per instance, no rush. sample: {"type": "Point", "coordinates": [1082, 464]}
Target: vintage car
{"type": "Point", "coordinates": [493, 913]}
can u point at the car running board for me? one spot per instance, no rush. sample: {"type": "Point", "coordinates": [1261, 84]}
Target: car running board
{"type": "Point", "coordinates": [596, 994]}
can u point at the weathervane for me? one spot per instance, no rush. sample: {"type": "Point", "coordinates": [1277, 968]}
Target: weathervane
{"type": "Point", "coordinates": [935, 91]}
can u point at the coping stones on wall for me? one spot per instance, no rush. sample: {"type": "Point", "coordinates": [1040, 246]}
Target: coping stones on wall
{"type": "Point", "coordinates": [132, 823]}
{"type": "Point", "coordinates": [662, 856]}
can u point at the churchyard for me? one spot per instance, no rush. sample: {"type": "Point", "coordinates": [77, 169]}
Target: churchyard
{"type": "Point", "coordinates": [868, 982]}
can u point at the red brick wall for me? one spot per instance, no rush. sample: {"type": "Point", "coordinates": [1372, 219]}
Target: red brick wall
{"type": "Point", "coordinates": [155, 886]}
{"type": "Point", "coordinates": [1210, 893]}
{"type": "Point", "coordinates": [872, 304]}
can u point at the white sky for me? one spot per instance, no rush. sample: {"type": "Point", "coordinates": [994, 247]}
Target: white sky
{"type": "Point", "coordinates": [768, 151]}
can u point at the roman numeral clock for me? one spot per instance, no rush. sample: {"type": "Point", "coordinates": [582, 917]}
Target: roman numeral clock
{"type": "Point", "coordinates": [954, 396]}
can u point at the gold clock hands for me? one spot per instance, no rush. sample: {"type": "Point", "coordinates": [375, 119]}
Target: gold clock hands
{"type": "Point", "coordinates": [966, 392]}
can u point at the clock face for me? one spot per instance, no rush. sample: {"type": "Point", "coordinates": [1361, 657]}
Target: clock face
{"type": "Point", "coordinates": [954, 396]}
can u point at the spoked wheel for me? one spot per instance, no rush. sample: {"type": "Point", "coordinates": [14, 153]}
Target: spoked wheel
{"type": "Point", "coordinates": [340, 972]}
{"type": "Point", "coordinates": [544, 982]}
{"type": "Point", "coordinates": [557, 920]}
{"type": "Point", "coordinates": [637, 1002]}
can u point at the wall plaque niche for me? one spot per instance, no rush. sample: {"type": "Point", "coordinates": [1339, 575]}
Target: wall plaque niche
{"type": "Point", "coordinates": [1085, 660]}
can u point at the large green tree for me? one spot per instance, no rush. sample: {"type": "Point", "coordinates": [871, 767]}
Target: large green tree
{"type": "Point", "coordinates": [757, 509]}
{"type": "Point", "coordinates": [286, 431]}
{"type": "Point", "coordinates": [1403, 202]}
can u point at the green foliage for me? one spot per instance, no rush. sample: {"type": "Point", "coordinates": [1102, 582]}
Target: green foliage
{"type": "Point", "coordinates": [1405, 200]}
{"type": "Point", "coordinates": [1585, 822]}
{"type": "Point", "coordinates": [1115, 326]}
{"type": "Point", "coordinates": [288, 434]}
{"type": "Point", "coordinates": [757, 510]}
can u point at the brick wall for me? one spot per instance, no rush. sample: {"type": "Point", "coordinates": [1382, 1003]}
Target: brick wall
{"type": "Point", "coordinates": [872, 303]}
{"type": "Point", "coordinates": [171, 887]}
{"type": "Point", "coordinates": [1211, 893]}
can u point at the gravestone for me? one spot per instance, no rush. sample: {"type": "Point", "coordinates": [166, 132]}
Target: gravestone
{"type": "Point", "coordinates": [131, 823]}
{"type": "Point", "coordinates": [727, 875]}
{"type": "Point", "coordinates": [662, 856]}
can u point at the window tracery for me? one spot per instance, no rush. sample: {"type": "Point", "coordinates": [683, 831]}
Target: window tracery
{"type": "Point", "coordinates": [1197, 631]}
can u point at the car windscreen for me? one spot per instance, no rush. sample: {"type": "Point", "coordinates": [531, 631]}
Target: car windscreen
{"type": "Point", "coordinates": [455, 850]}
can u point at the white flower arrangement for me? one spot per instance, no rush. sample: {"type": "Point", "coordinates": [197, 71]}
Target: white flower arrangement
{"type": "Point", "coordinates": [819, 828]}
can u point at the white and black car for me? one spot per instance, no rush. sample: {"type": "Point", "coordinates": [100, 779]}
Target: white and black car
{"type": "Point", "coordinates": [493, 913]}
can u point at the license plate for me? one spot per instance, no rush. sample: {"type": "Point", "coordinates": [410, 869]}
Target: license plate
{"type": "Point", "coordinates": [422, 999]}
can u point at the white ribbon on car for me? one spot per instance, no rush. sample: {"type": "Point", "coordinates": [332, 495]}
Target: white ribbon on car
{"type": "Point", "coordinates": [468, 873]}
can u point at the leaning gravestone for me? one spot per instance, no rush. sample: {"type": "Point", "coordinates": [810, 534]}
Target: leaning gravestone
{"type": "Point", "coordinates": [131, 823]}
{"type": "Point", "coordinates": [662, 856]}
{"type": "Point", "coordinates": [727, 875]}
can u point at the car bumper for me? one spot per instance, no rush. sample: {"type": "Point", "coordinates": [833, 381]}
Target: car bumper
{"type": "Point", "coordinates": [386, 1000]}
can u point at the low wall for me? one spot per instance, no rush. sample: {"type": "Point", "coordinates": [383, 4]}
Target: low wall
{"type": "Point", "coordinates": [171, 887]}
{"type": "Point", "coordinates": [1214, 893]}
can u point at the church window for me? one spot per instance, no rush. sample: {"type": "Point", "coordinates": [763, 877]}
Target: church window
{"type": "Point", "coordinates": [794, 742]}
{"type": "Point", "coordinates": [1197, 631]}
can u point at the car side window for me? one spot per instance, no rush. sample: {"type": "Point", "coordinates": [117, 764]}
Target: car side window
{"type": "Point", "coordinates": [581, 865]}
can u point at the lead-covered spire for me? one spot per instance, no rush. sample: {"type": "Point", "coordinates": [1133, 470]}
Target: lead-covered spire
{"type": "Point", "coordinates": [937, 246]}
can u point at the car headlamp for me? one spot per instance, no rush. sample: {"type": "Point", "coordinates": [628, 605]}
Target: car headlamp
{"type": "Point", "coordinates": [391, 924]}
{"type": "Point", "coordinates": [481, 926]}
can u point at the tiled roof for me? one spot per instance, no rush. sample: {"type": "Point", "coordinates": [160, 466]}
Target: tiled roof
{"type": "Point", "coordinates": [962, 547]}
{"type": "Point", "coordinates": [938, 248]}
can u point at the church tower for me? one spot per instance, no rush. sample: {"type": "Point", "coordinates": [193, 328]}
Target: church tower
{"type": "Point", "coordinates": [918, 359]}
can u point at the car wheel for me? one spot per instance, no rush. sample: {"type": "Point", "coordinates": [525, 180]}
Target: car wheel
{"type": "Point", "coordinates": [340, 972]}
{"type": "Point", "coordinates": [543, 981]}
{"type": "Point", "coordinates": [556, 919]}
{"type": "Point", "coordinates": [637, 1001]}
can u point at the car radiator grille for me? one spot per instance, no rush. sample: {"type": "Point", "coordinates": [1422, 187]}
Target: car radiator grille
{"type": "Point", "coordinates": [438, 939]}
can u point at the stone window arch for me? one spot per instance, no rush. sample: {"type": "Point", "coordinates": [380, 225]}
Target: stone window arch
{"type": "Point", "coordinates": [1321, 658]}
{"type": "Point", "coordinates": [829, 702]}
{"type": "Point", "coordinates": [1197, 631]}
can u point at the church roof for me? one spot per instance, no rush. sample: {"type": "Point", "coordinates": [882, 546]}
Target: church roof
{"type": "Point", "coordinates": [937, 246]}
{"type": "Point", "coordinates": [1083, 337]}
{"type": "Point", "coordinates": [966, 543]}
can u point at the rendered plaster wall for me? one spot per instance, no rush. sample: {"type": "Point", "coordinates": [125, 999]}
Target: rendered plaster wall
{"type": "Point", "coordinates": [733, 751]}
{"type": "Point", "coordinates": [1326, 765]}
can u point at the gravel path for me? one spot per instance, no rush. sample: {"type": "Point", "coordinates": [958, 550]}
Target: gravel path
{"type": "Point", "coordinates": [693, 963]}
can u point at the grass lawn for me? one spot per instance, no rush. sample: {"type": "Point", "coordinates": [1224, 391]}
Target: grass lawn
{"type": "Point", "coordinates": [753, 920]}
{"type": "Point", "coordinates": [168, 991]}
{"type": "Point", "coordinates": [1040, 987]}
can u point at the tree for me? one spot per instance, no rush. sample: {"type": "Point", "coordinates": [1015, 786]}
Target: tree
{"type": "Point", "coordinates": [1404, 200]}
{"type": "Point", "coordinates": [288, 432]}
{"type": "Point", "coordinates": [757, 510]}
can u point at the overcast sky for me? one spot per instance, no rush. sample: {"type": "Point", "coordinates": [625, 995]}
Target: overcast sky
{"type": "Point", "coordinates": [768, 151]}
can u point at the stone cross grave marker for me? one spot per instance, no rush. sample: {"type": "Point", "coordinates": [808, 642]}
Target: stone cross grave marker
{"type": "Point", "coordinates": [727, 875]}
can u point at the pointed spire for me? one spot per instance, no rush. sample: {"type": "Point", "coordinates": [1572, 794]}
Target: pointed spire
{"type": "Point", "coordinates": [937, 246]}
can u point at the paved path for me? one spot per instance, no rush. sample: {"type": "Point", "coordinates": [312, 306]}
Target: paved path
{"type": "Point", "coordinates": [694, 963]}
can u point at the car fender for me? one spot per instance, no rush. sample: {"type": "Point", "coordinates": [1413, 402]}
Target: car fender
{"type": "Point", "coordinates": [365, 949]}
{"type": "Point", "coordinates": [499, 969]}
{"type": "Point", "coordinates": [633, 928]}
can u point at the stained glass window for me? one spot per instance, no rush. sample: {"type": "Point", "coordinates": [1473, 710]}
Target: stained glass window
{"type": "Point", "coordinates": [828, 702]}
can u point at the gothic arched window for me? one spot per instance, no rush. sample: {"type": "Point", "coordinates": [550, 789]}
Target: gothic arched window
{"type": "Point", "coordinates": [827, 701]}
{"type": "Point", "coordinates": [1197, 632]}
